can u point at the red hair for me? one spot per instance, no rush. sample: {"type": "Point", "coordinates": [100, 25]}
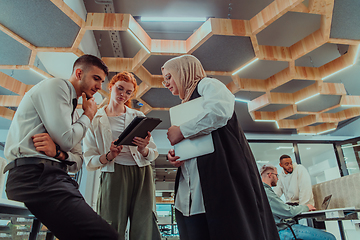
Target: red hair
{"type": "Point", "coordinates": [126, 77]}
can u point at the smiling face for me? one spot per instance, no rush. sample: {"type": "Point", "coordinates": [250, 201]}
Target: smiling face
{"type": "Point", "coordinates": [91, 79]}
{"type": "Point", "coordinates": [286, 164]}
{"type": "Point", "coordinates": [169, 82]}
{"type": "Point", "coordinates": [122, 91]}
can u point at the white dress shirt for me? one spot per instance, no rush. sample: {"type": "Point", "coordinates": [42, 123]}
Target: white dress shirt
{"type": "Point", "coordinates": [47, 108]}
{"type": "Point", "coordinates": [218, 109]}
{"type": "Point", "coordinates": [296, 186]}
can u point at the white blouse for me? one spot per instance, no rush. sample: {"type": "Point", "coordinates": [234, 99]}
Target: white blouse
{"type": "Point", "coordinates": [117, 124]}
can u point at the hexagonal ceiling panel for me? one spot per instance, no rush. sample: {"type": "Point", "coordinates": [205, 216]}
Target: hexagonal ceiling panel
{"type": "Point", "coordinates": [280, 33]}
{"type": "Point", "coordinates": [217, 56]}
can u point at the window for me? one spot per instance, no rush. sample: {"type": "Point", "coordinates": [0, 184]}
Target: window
{"type": "Point", "coordinates": [320, 161]}
{"type": "Point", "coordinates": [351, 153]}
{"type": "Point", "coordinates": [269, 153]}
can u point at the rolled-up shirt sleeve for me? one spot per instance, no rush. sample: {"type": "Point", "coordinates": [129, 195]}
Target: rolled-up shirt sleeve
{"type": "Point", "coordinates": [218, 107]}
{"type": "Point", "coordinates": [91, 151]}
{"type": "Point", "coordinates": [54, 108]}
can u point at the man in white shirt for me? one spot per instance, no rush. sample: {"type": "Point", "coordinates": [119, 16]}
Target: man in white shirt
{"type": "Point", "coordinates": [294, 182]}
{"type": "Point", "coordinates": [43, 143]}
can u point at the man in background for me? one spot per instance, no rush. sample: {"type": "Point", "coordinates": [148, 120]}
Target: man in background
{"type": "Point", "coordinates": [43, 143]}
{"type": "Point", "coordinates": [294, 182]}
{"type": "Point", "coordinates": [283, 213]}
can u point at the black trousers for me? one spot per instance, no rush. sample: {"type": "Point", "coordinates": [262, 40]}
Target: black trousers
{"type": "Point", "coordinates": [193, 227]}
{"type": "Point", "coordinates": [53, 197]}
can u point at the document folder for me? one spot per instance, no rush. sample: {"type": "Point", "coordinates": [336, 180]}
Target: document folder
{"type": "Point", "coordinates": [190, 147]}
{"type": "Point", "coordinates": [138, 127]}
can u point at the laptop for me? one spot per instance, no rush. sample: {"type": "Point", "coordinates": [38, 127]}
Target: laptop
{"type": "Point", "coordinates": [326, 202]}
{"type": "Point", "coordinates": [194, 147]}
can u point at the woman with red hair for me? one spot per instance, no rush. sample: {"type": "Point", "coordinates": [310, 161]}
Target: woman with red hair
{"type": "Point", "coordinates": [126, 183]}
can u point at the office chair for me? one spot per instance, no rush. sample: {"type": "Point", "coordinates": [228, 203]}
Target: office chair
{"type": "Point", "coordinates": [289, 226]}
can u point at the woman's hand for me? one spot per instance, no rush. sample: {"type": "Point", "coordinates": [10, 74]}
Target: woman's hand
{"type": "Point", "coordinates": [174, 135]}
{"type": "Point", "coordinates": [142, 144]}
{"type": "Point", "coordinates": [172, 158]}
{"type": "Point", "coordinates": [114, 151]}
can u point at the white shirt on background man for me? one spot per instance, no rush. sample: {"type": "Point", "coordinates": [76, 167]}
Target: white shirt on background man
{"type": "Point", "coordinates": [296, 186]}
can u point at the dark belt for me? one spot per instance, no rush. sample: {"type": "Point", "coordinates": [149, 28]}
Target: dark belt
{"type": "Point", "coordinates": [33, 161]}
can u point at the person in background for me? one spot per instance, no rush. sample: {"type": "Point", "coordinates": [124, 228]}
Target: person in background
{"type": "Point", "coordinates": [294, 182]}
{"type": "Point", "coordinates": [126, 186]}
{"type": "Point", "coordinates": [218, 195]}
{"type": "Point", "coordinates": [282, 211]}
{"type": "Point", "coordinates": [43, 143]}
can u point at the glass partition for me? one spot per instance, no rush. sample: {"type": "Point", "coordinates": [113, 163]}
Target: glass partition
{"type": "Point", "coordinates": [351, 152]}
{"type": "Point", "coordinates": [269, 153]}
{"type": "Point", "coordinates": [320, 161]}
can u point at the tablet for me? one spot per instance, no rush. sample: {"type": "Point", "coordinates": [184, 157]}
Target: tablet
{"type": "Point", "coordinates": [138, 127]}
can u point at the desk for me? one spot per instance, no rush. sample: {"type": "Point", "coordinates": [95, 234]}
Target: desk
{"type": "Point", "coordinates": [10, 209]}
{"type": "Point", "coordinates": [336, 214]}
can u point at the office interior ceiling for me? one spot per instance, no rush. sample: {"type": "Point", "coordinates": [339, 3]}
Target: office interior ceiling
{"type": "Point", "coordinates": [290, 89]}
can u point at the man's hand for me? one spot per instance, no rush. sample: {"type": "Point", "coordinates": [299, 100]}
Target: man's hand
{"type": "Point", "coordinates": [89, 106]}
{"type": "Point", "coordinates": [311, 207]}
{"type": "Point", "coordinates": [44, 144]}
{"type": "Point", "coordinates": [174, 135]}
{"type": "Point", "coordinates": [172, 158]}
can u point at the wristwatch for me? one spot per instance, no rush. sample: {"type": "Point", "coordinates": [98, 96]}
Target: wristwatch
{"type": "Point", "coordinates": [58, 151]}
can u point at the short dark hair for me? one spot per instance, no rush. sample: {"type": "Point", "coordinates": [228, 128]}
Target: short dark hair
{"type": "Point", "coordinates": [284, 156]}
{"type": "Point", "coordinates": [89, 60]}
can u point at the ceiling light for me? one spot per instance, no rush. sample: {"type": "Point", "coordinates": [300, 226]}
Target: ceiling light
{"type": "Point", "coordinates": [173, 19]}
{"type": "Point", "coordinates": [241, 100]}
{"type": "Point", "coordinates": [307, 98]}
{"type": "Point", "coordinates": [350, 146]}
{"type": "Point", "coordinates": [38, 73]}
{"type": "Point", "coordinates": [345, 105]}
{"type": "Point", "coordinates": [329, 130]}
{"type": "Point", "coordinates": [356, 55]}
{"type": "Point", "coordinates": [259, 161]}
{"type": "Point", "coordinates": [337, 72]}
{"type": "Point", "coordinates": [304, 133]}
{"type": "Point", "coordinates": [266, 120]}
{"type": "Point", "coordinates": [284, 147]}
{"type": "Point", "coordinates": [138, 40]}
{"type": "Point", "coordinates": [237, 71]}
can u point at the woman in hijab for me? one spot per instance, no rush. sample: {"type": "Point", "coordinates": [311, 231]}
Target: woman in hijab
{"type": "Point", "coordinates": [218, 195]}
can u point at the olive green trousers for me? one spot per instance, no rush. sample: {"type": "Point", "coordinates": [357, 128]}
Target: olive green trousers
{"type": "Point", "coordinates": [129, 193]}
